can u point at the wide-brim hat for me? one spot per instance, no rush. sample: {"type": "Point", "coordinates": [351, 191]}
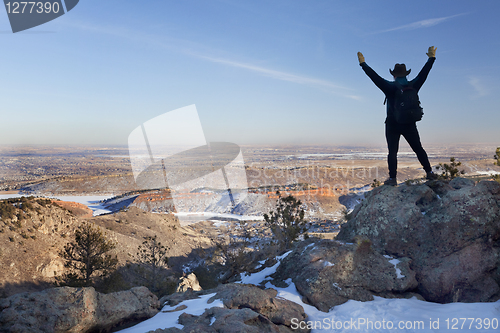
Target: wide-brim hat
{"type": "Point", "coordinates": [400, 70]}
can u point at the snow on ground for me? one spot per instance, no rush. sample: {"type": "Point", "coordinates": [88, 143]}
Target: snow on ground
{"type": "Point", "coordinates": [379, 315]}
{"type": "Point", "coordinates": [257, 278]}
{"type": "Point", "coordinates": [212, 215]}
{"type": "Point", "coordinates": [487, 173]}
{"type": "Point", "coordinates": [164, 319]}
{"type": "Point", "coordinates": [396, 315]}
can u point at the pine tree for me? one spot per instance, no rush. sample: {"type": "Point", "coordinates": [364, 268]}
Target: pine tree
{"type": "Point", "coordinates": [87, 256]}
{"type": "Point", "coordinates": [450, 171]}
{"type": "Point", "coordinates": [287, 221]}
{"type": "Point", "coordinates": [153, 260]}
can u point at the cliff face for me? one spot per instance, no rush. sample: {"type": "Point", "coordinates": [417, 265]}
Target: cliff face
{"type": "Point", "coordinates": [320, 203]}
{"type": "Point", "coordinates": [451, 231]}
{"type": "Point", "coordinates": [155, 201]}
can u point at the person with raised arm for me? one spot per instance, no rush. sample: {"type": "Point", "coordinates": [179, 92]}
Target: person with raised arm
{"type": "Point", "coordinates": [403, 111]}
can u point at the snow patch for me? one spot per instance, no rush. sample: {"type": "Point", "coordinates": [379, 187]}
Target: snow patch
{"type": "Point", "coordinates": [488, 173]}
{"type": "Point", "coordinates": [327, 264]}
{"type": "Point", "coordinates": [262, 262]}
{"type": "Point", "coordinates": [395, 262]}
{"type": "Point", "coordinates": [166, 319]}
{"type": "Point", "coordinates": [308, 246]}
{"type": "Point", "coordinates": [257, 278]}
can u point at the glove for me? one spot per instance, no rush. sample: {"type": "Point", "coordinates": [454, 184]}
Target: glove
{"type": "Point", "coordinates": [361, 58]}
{"type": "Point", "coordinates": [432, 52]}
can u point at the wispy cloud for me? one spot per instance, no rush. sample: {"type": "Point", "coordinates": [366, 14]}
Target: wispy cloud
{"type": "Point", "coordinates": [279, 75]}
{"type": "Point", "coordinates": [479, 87]}
{"type": "Point", "coordinates": [200, 51]}
{"type": "Point", "coordinates": [420, 24]}
{"type": "Point", "coordinates": [284, 76]}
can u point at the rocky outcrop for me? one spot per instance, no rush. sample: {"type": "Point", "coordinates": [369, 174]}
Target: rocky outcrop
{"type": "Point", "coordinates": [69, 309]}
{"type": "Point", "coordinates": [247, 308]}
{"type": "Point", "coordinates": [188, 282]}
{"type": "Point", "coordinates": [451, 231]}
{"type": "Point", "coordinates": [154, 201]}
{"type": "Point", "coordinates": [328, 273]}
{"type": "Point", "coordinates": [317, 202]}
{"type": "Point", "coordinates": [55, 267]}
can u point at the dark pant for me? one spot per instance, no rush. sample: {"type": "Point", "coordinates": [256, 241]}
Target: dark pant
{"type": "Point", "coordinates": [409, 131]}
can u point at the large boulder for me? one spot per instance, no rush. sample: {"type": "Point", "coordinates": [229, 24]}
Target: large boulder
{"type": "Point", "coordinates": [247, 308]}
{"type": "Point", "coordinates": [451, 231]}
{"type": "Point", "coordinates": [188, 282]}
{"type": "Point", "coordinates": [328, 273]}
{"type": "Point", "coordinates": [69, 309]}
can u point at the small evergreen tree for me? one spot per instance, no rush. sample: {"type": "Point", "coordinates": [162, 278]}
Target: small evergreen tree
{"type": "Point", "coordinates": [450, 171]}
{"type": "Point", "coordinates": [153, 260]}
{"type": "Point", "coordinates": [287, 221]}
{"type": "Point", "coordinates": [87, 256]}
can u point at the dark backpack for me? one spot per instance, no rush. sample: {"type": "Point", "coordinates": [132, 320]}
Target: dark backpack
{"type": "Point", "coordinates": [407, 107]}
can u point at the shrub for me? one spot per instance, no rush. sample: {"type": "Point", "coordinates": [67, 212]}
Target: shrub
{"type": "Point", "coordinates": [497, 156]}
{"type": "Point", "coordinates": [112, 283]}
{"type": "Point", "coordinates": [287, 221]}
{"type": "Point", "coordinates": [7, 210]}
{"type": "Point", "coordinates": [208, 277]}
{"type": "Point", "coordinates": [44, 202]}
{"type": "Point", "coordinates": [450, 171]}
{"type": "Point", "coordinates": [232, 256]}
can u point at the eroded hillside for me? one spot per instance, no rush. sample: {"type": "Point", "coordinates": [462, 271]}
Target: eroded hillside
{"type": "Point", "coordinates": [33, 231]}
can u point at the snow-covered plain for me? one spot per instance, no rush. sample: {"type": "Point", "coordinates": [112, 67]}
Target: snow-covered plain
{"type": "Point", "coordinates": [379, 315]}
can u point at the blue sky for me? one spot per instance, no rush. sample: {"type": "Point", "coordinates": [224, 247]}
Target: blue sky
{"type": "Point", "coordinates": [259, 72]}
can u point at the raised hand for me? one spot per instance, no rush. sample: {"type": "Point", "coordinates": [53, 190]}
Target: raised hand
{"type": "Point", "coordinates": [432, 52]}
{"type": "Point", "coordinates": [361, 58]}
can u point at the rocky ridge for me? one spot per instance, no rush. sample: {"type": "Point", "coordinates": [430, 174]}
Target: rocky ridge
{"type": "Point", "coordinates": [449, 230]}
{"type": "Point", "coordinates": [328, 273]}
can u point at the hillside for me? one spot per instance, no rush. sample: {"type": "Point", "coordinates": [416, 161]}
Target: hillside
{"type": "Point", "coordinates": [32, 232]}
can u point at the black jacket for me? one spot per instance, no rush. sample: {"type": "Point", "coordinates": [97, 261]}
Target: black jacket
{"type": "Point", "coordinates": [389, 88]}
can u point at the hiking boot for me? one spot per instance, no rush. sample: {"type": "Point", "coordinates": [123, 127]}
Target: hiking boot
{"type": "Point", "coordinates": [391, 182]}
{"type": "Point", "coordinates": [431, 176]}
